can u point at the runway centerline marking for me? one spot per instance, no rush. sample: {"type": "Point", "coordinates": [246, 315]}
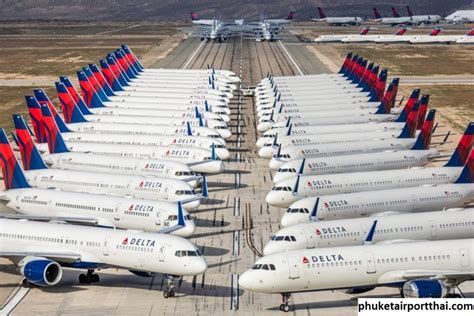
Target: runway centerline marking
{"type": "Point", "coordinates": [290, 57]}
{"type": "Point", "coordinates": [194, 54]}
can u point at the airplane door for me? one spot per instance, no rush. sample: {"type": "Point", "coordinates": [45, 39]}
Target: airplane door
{"type": "Point", "coordinates": [158, 218]}
{"type": "Point", "coordinates": [167, 190]}
{"type": "Point", "coordinates": [116, 214]}
{"type": "Point", "coordinates": [161, 253]}
{"type": "Point", "coordinates": [294, 271]}
{"type": "Point", "coordinates": [310, 239]}
{"type": "Point", "coordinates": [434, 230]}
{"type": "Point", "coordinates": [105, 246]}
{"type": "Point", "coordinates": [464, 254]}
{"type": "Point", "coordinates": [370, 262]}
{"type": "Point", "coordinates": [414, 200]}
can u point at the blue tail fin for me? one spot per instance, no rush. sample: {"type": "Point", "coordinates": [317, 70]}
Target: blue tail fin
{"type": "Point", "coordinates": [205, 191]}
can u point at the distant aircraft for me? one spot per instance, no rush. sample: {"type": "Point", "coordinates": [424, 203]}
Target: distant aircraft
{"type": "Point", "coordinates": [419, 269]}
{"type": "Point", "coordinates": [196, 20]}
{"type": "Point", "coordinates": [265, 29]}
{"type": "Point", "coordinates": [423, 19]}
{"type": "Point", "coordinates": [338, 37]}
{"type": "Point", "coordinates": [445, 39]}
{"type": "Point", "coordinates": [461, 16]}
{"type": "Point", "coordinates": [392, 39]}
{"type": "Point", "coordinates": [393, 21]}
{"type": "Point", "coordinates": [349, 20]}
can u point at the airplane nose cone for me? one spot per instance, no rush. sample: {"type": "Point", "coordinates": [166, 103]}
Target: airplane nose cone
{"type": "Point", "coordinates": [246, 281]}
{"type": "Point", "coordinates": [223, 153]}
{"type": "Point", "coordinates": [290, 219]}
{"type": "Point", "coordinates": [264, 126]}
{"type": "Point", "coordinates": [191, 205]}
{"type": "Point", "coordinates": [224, 133]}
{"type": "Point", "coordinates": [266, 152]}
{"type": "Point", "coordinates": [280, 176]}
{"type": "Point", "coordinates": [199, 266]}
{"type": "Point", "coordinates": [270, 248]}
{"type": "Point", "coordinates": [280, 198]}
{"type": "Point", "coordinates": [275, 163]}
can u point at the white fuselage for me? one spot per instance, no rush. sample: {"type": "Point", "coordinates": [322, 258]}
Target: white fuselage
{"type": "Point", "coordinates": [357, 266]}
{"type": "Point", "coordinates": [361, 204]}
{"type": "Point", "coordinates": [283, 193]}
{"type": "Point", "coordinates": [440, 225]}
{"type": "Point", "coordinates": [102, 247]}
{"type": "Point", "coordinates": [355, 163]}
{"type": "Point", "coordinates": [107, 211]}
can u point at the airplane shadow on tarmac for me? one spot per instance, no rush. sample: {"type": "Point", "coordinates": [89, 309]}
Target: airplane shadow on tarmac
{"type": "Point", "coordinates": [209, 251]}
{"type": "Point", "coordinates": [210, 223]}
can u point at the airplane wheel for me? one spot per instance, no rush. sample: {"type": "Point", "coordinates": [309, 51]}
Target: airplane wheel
{"type": "Point", "coordinates": [95, 278]}
{"type": "Point", "coordinates": [83, 279]}
{"type": "Point", "coordinates": [282, 306]}
{"type": "Point", "coordinates": [286, 308]}
{"type": "Point", "coordinates": [172, 293]}
{"type": "Point", "coordinates": [166, 294]}
{"type": "Point", "coordinates": [25, 283]}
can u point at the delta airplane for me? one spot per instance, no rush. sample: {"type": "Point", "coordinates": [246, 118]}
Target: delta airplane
{"type": "Point", "coordinates": [440, 225]}
{"type": "Point", "coordinates": [340, 21]}
{"type": "Point", "coordinates": [338, 37]}
{"type": "Point", "coordinates": [369, 146]}
{"type": "Point", "coordinates": [140, 187]}
{"type": "Point", "coordinates": [91, 136]}
{"type": "Point", "coordinates": [290, 190]}
{"type": "Point", "coordinates": [62, 158]}
{"type": "Point", "coordinates": [43, 250]}
{"type": "Point", "coordinates": [417, 156]}
{"type": "Point", "coordinates": [65, 96]}
{"type": "Point", "coordinates": [393, 21]}
{"type": "Point", "coordinates": [420, 269]}
{"type": "Point", "coordinates": [374, 38]}
{"type": "Point", "coordinates": [86, 208]}
{"type": "Point", "coordinates": [461, 16]}
{"type": "Point", "coordinates": [387, 39]}
{"type": "Point", "coordinates": [199, 159]}
{"type": "Point", "coordinates": [295, 141]}
{"type": "Point", "coordinates": [443, 39]}
{"type": "Point", "coordinates": [196, 20]}
{"type": "Point", "coordinates": [423, 19]}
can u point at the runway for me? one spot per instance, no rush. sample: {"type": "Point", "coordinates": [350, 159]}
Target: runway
{"type": "Point", "coordinates": [233, 225]}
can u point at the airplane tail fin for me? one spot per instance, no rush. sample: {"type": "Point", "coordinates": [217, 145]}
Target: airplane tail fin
{"type": "Point", "coordinates": [116, 70]}
{"type": "Point", "coordinates": [95, 84]}
{"type": "Point", "coordinates": [30, 155]}
{"type": "Point", "coordinates": [401, 31]}
{"type": "Point", "coordinates": [409, 129]}
{"type": "Point", "coordinates": [386, 104]}
{"type": "Point", "coordinates": [109, 76]}
{"type": "Point", "coordinates": [99, 77]}
{"type": "Point", "coordinates": [131, 56]}
{"type": "Point", "coordinates": [124, 65]}
{"type": "Point", "coordinates": [461, 152]}
{"type": "Point", "coordinates": [408, 106]}
{"type": "Point", "coordinates": [34, 109]}
{"type": "Point", "coordinates": [364, 31]}
{"type": "Point", "coordinates": [13, 176]}
{"type": "Point", "coordinates": [376, 13]}
{"type": "Point", "coordinates": [395, 13]}
{"type": "Point", "coordinates": [321, 13]}
{"type": "Point", "coordinates": [423, 109]}
{"type": "Point", "coordinates": [409, 11]}
{"type": "Point", "coordinates": [71, 110]}
{"type": "Point", "coordinates": [89, 95]}
{"type": "Point", "coordinates": [194, 16]}
{"type": "Point", "coordinates": [467, 173]}
{"type": "Point", "coordinates": [470, 33]}
{"type": "Point", "coordinates": [53, 134]}
{"type": "Point", "coordinates": [345, 63]}
{"type": "Point", "coordinates": [435, 31]}
{"type": "Point", "coordinates": [74, 95]}
{"type": "Point", "coordinates": [290, 16]}
{"type": "Point", "coordinates": [44, 100]}
{"type": "Point", "coordinates": [424, 139]}
{"type": "Point", "coordinates": [377, 92]}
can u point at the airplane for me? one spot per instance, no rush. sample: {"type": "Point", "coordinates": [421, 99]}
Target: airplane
{"type": "Point", "coordinates": [140, 187]}
{"type": "Point", "coordinates": [417, 156]}
{"type": "Point", "coordinates": [460, 16]}
{"type": "Point", "coordinates": [62, 158]}
{"type": "Point", "coordinates": [399, 34]}
{"type": "Point", "coordinates": [95, 101]}
{"type": "Point", "coordinates": [387, 39]}
{"type": "Point", "coordinates": [409, 131]}
{"type": "Point", "coordinates": [419, 269]}
{"type": "Point", "coordinates": [196, 20]}
{"type": "Point", "coordinates": [339, 21]}
{"type": "Point", "coordinates": [444, 39]}
{"type": "Point", "coordinates": [392, 21]}
{"type": "Point", "coordinates": [86, 208]}
{"type": "Point", "coordinates": [369, 146]}
{"type": "Point", "coordinates": [43, 250]}
{"type": "Point", "coordinates": [423, 19]}
{"type": "Point", "coordinates": [287, 20]}
{"type": "Point", "coordinates": [334, 38]}
{"type": "Point", "coordinates": [199, 159]}
{"type": "Point", "coordinates": [89, 133]}
{"type": "Point", "coordinates": [290, 190]}
{"type": "Point", "coordinates": [383, 229]}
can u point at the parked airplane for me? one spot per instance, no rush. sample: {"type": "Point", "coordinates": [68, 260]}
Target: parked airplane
{"type": "Point", "coordinates": [392, 39]}
{"type": "Point", "coordinates": [42, 250]}
{"type": "Point", "coordinates": [290, 190]}
{"type": "Point", "coordinates": [200, 160]}
{"type": "Point", "coordinates": [420, 269]}
{"type": "Point", "coordinates": [393, 21]}
{"type": "Point", "coordinates": [62, 158]}
{"type": "Point", "coordinates": [140, 187]}
{"type": "Point", "coordinates": [370, 146]}
{"type": "Point", "coordinates": [86, 208]}
{"type": "Point", "coordinates": [373, 38]}
{"type": "Point", "coordinates": [386, 229]}
{"type": "Point", "coordinates": [423, 19]}
{"type": "Point", "coordinates": [196, 20]}
{"type": "Point", "coordinates": [338, 37]}
{"type": "Point", "coordinates": [346, 20]}
{"type": "Point", "coordinates": [444, 39]}
{"type": "Point", "coordinates": [461, 16]}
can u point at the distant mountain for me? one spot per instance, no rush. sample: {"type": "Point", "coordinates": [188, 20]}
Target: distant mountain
{"type": "Point", "coordinates": [135, 10]}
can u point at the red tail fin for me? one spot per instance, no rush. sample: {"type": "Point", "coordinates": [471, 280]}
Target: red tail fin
{"type": "Point", "coordinates": [395, 13]}
{"type": "Point", "coordinates": [376, 13]}
{"type": "Point", "coordinates": [291, 15]}
{"type": "Point", "coordinates": [435, 32]}
{"type": "Point", "coordinates": [321, 13]}
{"type": "Point", "coordinates": [401, 31]}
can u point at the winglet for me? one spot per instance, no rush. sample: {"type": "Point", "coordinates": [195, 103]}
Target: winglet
{"type": "Point", "coordinates": [189, 131]}
{"type": "Point", "coordinates": [313, 216]}
{"type": "Point", "coordinates": [181, 221]}
{"type": "Point", "coordinates": [302, 166]}
{"type": "Point", "coordinates": [288, 132]}
{"type": "Point", "coordinates": [370, 234]}
{"type": "Point", "coordinates": [297, 184]}
{"type": "Point", "coordinates": [205, 191]}
{"type": "Point", "coordinates": [213, 152]}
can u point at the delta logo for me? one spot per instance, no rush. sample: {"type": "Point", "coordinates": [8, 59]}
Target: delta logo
{"type": "Point", "coordinates": [318, 232]}
{"type": "Point", "coordinates": [305, 260]}
{"type": "Point", "coordinates": [138, 242]}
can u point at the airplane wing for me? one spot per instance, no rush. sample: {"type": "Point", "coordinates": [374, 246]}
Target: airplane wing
{"type": "Point", "coordinates": [453, 277]}
{"type": "Point", "coordinates": [60, 256]}
{"type": "Point", "coordinates": [181, 222]}
{"type": "Point", "coordinates": [86, 221]}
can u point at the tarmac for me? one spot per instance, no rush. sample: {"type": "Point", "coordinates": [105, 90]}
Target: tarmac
{"type": "Point", "coordinates": [232, 226]}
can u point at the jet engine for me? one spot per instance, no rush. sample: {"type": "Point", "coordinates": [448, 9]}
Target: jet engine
{"type": "Point", "coordinates": [41, 271]}
{"type": "Point", "coordinates": [425, 289]}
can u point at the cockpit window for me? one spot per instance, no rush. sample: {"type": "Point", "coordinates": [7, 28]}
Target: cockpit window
{"type": "Point", "coordinates": [219, 146]}
{"type": "Point", "coordinates": [283, 238]}
{"type": "Point", "coordinates": [298, 210]}
{"type": "Point", "coordinates": [184, 192]}
{"type": "Point", "coordinates": [282, 156]}
{"type": "Point", "coordinates": [210, 158]}
{"type": "Point", "coordinates": [268, 136]}
{"type": "Point", "coordinates": [184, 173]}
{"type": "Point", "coordinates": [264, 267]}
{"type": "Point", "coordinates": [293, 170]}
{"type": "Point", "coordinates": [188, 253]}
{"type": "Point", "coordinates": [288, 189]}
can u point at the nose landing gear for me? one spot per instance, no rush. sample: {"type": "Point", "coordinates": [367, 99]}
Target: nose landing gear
{"type": "Point", "coordinates": [285, 298]}
{"type": "Point", "coordinates": [169, 292]}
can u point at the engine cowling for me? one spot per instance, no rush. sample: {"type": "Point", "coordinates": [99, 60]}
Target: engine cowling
{"type": "Point", "coordinates": [41, 271]}
{"type": "Point", "coordinates": [425, 289]}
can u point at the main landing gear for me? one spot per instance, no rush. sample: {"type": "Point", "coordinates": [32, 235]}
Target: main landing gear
{"type": "Point", "coordinates": [285, 298]}
{"type": "Point", "coordinates": [169, 292]}
{"type": "Point", "coordinates": [89, 278]}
